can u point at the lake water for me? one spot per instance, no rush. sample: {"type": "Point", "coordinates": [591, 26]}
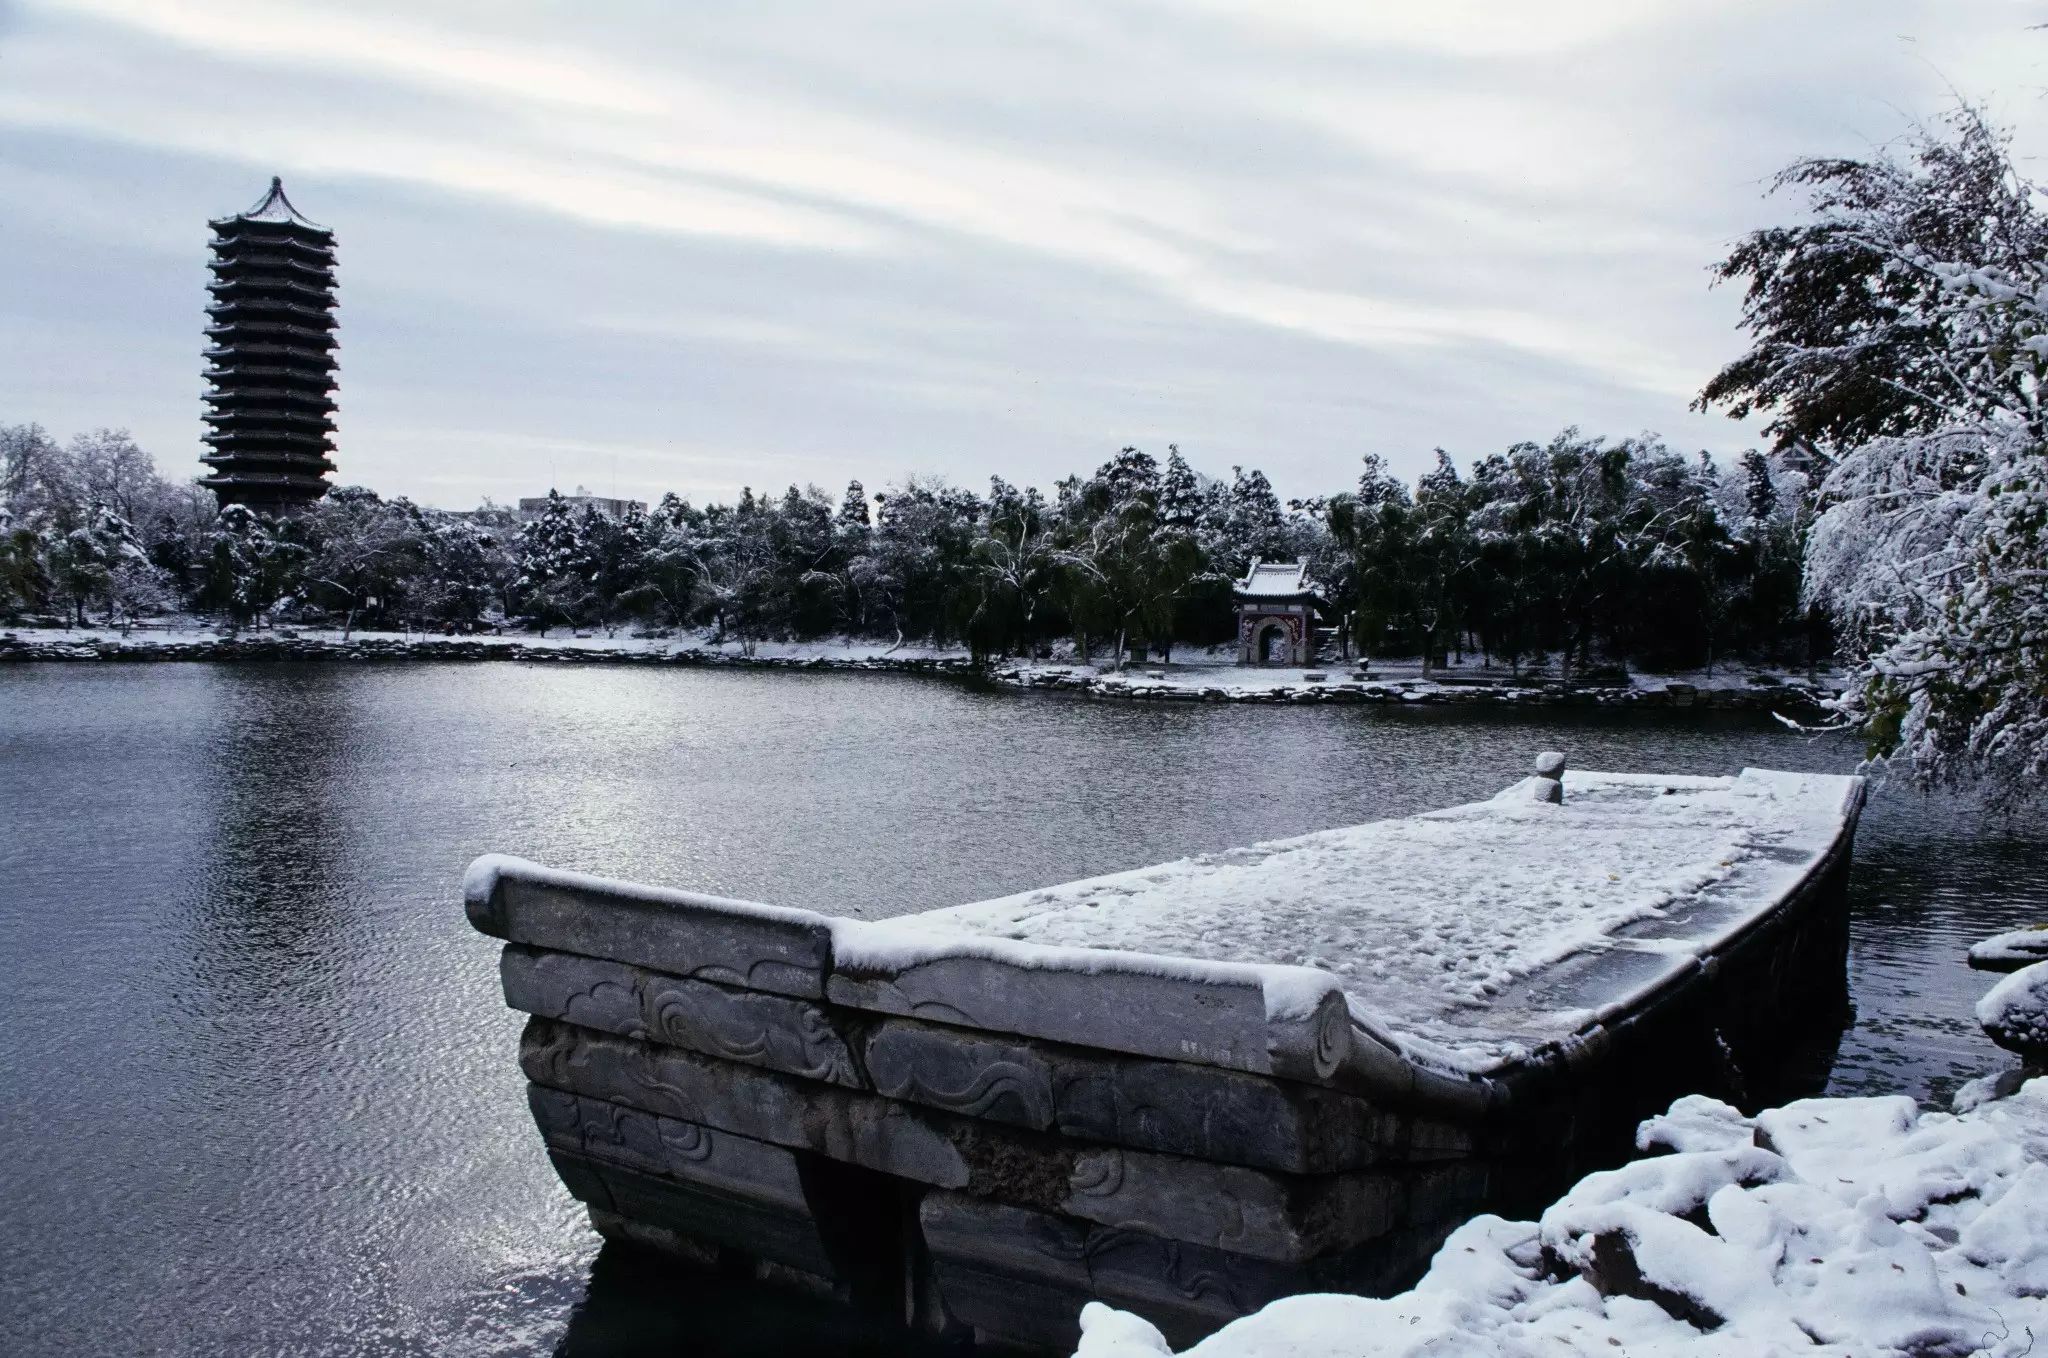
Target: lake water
{"type": "Point", "coordinates": [259, 1088]}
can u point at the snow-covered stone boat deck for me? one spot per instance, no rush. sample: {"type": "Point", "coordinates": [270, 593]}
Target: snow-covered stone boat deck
{"type": "Point", "coordinates": [1192, 1087]}
{"type": "Point", "coordinates": [1472, 936]}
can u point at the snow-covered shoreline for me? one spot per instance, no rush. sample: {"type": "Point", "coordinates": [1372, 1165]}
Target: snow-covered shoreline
{"type": "Point", "coordinates": [1206, 679]}
{"type": "Point", "coordinates": [1850, 1227]}
{"type": "Point", "coordinates": [1221, 681]}
{"type": "Point", "coordinates": [1854, 1228]}
{"type": "Point", "coordinates": [196, 644]}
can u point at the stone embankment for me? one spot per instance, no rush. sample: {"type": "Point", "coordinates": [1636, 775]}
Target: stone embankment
{"type": "Point", "coordinates": [1792, 697]}
{"type": "Point", "coordinates": [19, 648]}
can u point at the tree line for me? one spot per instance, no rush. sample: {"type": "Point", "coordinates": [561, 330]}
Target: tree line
{"type": "Point", "coordinates": [1593, 551]}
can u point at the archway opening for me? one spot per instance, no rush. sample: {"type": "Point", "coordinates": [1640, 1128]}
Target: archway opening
{"type": "Point", "coordinates": [1273, 647]}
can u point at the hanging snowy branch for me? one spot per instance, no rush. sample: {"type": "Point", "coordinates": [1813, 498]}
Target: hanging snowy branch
{"type": "Point", "coordinates": [1929, 549]}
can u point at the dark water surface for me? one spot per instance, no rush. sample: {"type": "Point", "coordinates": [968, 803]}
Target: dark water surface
{"type": "Point", "coordinates": [259, 1089]}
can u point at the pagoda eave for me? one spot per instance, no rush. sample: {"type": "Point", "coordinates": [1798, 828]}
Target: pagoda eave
{"type": "Point", "coordinates": [260, 313]}
{"type": "Point", "coordinates": [234, 266]}
{"type": "Point", "coordinates": [230, 355]}
{"type": "Point", "coordinates": [237, 334]}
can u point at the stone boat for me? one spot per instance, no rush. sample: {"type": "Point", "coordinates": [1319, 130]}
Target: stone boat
{"type": "Point", "coordinates": [1185, 1090]}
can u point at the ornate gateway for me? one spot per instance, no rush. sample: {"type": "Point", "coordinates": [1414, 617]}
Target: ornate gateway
{"type": "Point", "coordinates": [1276, 610]}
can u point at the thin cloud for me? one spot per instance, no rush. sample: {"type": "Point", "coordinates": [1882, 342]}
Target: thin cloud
{"type": "Point", "coordinates": [912, 234]}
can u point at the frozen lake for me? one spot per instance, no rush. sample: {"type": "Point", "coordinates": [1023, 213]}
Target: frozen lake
{"type": "Point", "coordinates": [260, 1090]}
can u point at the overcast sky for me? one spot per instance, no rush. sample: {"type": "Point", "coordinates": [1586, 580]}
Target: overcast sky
{"type": "Point", "coordinates": [653, 246]}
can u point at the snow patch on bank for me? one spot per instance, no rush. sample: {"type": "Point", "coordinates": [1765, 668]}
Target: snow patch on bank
{"type": "Point", "coordinates": [1217, 670]}
{"type": "Point", "coordinates": [1849, 1228]}
{"type": "Point", "coordinates": [145, 637]}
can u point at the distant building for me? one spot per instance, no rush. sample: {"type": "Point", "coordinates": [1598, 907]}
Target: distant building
{"type": "Point", "coordinates": [1276, 614]}
{"type": "Point", "coordinates": [533, 506]}
{"type": "Point", "coordinates": [271, 364]}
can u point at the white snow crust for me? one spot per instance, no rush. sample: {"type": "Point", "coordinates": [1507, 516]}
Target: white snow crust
{"type": "Point", "coordinates": [2017, 948]}
{"type": "Point", "coordinates": [480, 881]}
{"type": "Point", "coordinates": [1275, 580]}
{"type": "Point", "coordinates": [2015, 1011]}
{"type": "Point", "coordinates": [1425, 921]}
{"type": "Point", "coordinates": [1829, 1228]}
{"type": "Point", "coordinates": [1289, 992]}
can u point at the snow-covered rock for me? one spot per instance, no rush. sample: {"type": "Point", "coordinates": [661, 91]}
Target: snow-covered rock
{"type": "Point", "coordinates": [2011, 951]}
{"type": "Point", "coordinates": [1840, 1227]}
{"type": "Point", "coordinates": [2015, 1013]}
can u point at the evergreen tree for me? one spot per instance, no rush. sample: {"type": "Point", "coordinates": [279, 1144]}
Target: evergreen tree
{"type": "Point", "coordinates": [555, 568]}
{"type": "Point", "coordinates": [853, 509]}
{"type": "Point", "coordinates": [1180, 492]}
{"type": "Point", "coordinates": [1255, 527]}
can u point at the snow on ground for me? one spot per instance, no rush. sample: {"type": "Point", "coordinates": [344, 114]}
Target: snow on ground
{"type": "Point", "coordinates": [559, 639]}
{"type": "Point", "coordinates": [1829, 1228]}
{"type": "Point", "coordinates": [1216, 669]}
{"type": "Point", "coordinates": [1426, 919]}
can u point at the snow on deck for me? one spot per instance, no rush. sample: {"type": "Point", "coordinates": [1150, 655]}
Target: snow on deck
{"type": "Point", "coordinates": [1446, 928]}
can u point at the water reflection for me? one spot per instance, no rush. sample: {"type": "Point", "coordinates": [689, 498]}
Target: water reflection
{"type": "Point", "coordinates": [640, 1305]}
{"type": "Point", "coordinates": [262, 924]}
{"type": "Point", "coordinates": [260, 1065]}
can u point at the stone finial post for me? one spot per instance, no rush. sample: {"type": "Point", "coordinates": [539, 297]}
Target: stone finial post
{"type": "Point", "coordinates": [1550, 769]}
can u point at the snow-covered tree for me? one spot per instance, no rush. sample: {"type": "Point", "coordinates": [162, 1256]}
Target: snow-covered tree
{"type": "Point", "coordinates": [1931, 547]}
{"type": "Point", "coordinates": [671, 562]}
{"type": "Point", "coordinates": [35, 478]}
{"type": "Point", "coordinates": [1016, 561]}
{"type": "Point", "coordinates": [737, 580]}
{"type": "Point", "coordinates": [1182, 494]}
{"type": "Point", "coordinates": [918, 576]}
{"type": "Point", "coordinates": [1129, 568]}
{"type": "Point", "coordinates": [1853, 328]}
{"type": "Point", "coordinates": [251, 563]}
{"type": "Point", "coordinates": [23, 582]}
{"type": "Point", "coordinates": [81, 562]}
{"type": "Point", "coordinates": [1254, 523]}
{"type": "Point", "coordinates": [853, 513]}
{"type": "Point", "coordinates": [555, 567]}
{"type": "Point", "coordinates": [1444, 557]}
{"type": "Point", "coordinates": [359, 559]}
{"type": "Point", "coordinates": [463, 567]}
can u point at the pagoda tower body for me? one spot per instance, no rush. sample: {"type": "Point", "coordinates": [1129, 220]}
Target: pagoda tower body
{"type": "Point", "coordinates": [270, 414]}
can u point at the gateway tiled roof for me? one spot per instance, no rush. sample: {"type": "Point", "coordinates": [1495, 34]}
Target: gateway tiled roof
{"type": "Point", "coordinates": [1276, 580]}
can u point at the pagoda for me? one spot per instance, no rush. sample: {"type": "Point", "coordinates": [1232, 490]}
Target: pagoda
{"type": "Point", "coordinates": [271, 410]}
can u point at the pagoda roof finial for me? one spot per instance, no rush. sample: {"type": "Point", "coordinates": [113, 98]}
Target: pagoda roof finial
{"type": "Point", "coordinates": [274, 206]}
